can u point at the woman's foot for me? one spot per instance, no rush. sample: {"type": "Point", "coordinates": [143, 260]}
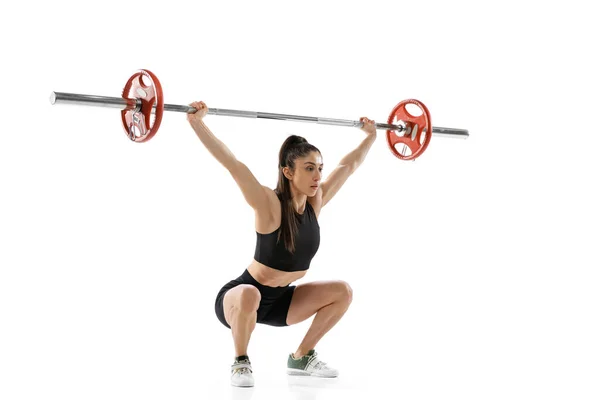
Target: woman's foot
{"type": "Point", "coordinates": [241, 372]}
{"type": "Point", "coordinates": [309, 365]}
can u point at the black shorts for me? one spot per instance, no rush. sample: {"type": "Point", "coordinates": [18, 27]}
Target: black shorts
{"type": "Point", "coordinates": [274, 301]}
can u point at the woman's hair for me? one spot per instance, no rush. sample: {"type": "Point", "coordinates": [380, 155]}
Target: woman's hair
{"type": "Point", "coordinates": [292, 148]}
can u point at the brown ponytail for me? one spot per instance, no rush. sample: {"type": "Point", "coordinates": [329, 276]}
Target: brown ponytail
{"type": "Point", "coordinates": [292, 148]}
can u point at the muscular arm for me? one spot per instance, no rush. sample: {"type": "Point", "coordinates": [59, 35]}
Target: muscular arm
{"type": "Point", "coordinates": [256, 195]}
{"type": "Point", "coordinates": [357, 156]}
{"type": "Point", "coordinates": [214, 145]}
{"type": "Point", "coordinates": [347, 166]}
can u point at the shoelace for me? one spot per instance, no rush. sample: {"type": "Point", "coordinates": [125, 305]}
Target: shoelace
{"type": "Point", "coordinates": [237, 368]}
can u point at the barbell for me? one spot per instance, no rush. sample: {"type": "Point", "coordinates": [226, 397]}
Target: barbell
{"type": "Point", "coordinates": [143, 97]}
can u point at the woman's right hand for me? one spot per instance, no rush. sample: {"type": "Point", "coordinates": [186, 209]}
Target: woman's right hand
{"type": "Point", "coordinates": [198, 115]}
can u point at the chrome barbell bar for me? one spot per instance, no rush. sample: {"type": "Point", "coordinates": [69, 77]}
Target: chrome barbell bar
{"type": "Point", "coordinates": [131, 104]}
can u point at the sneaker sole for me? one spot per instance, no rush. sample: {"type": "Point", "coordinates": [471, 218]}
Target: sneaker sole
{"type": "Point", "coordinates": [247, 385]}
{"type": "Point", "coordinates": [299, 372]}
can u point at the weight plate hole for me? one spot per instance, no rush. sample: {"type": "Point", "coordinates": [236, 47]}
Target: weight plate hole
{"type": "Point", "coordinates": [413, 110]}
{"type": "Point", "coordinates": [141, 92]}
{"type": "Point", "coordinates": [403, 149]}
{"type": "Point", "coordinates": [146, 82]}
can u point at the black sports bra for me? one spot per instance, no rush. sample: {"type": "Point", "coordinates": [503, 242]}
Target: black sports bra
{"type": "Point", "coordinates": [273, 253]}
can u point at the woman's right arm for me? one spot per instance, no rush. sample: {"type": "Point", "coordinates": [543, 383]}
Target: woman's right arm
{"type": "Point", "coordinates": [216, 147]}
{"type": "Point", "coordinates": [257, 195]}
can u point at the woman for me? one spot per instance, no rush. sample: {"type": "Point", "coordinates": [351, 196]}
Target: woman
{"type": "Point", "coordinates": [287, 239]}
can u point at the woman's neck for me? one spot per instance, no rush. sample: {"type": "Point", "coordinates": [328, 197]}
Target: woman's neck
{"type": "Point", "coordinates": [298, 200]}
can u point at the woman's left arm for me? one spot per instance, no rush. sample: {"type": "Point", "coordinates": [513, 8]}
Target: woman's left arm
{"type": "Point", "coordinates": [349, 163]}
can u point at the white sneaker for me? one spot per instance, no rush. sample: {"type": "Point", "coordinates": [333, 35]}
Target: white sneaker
{"type": "Point", "coordinates": [241, 374]}
{"type": "Point", "coordinates": [310, 365]}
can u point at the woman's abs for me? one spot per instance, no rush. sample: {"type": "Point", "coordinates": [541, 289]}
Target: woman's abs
{"type": "Point", "coordinates": [268, 276]}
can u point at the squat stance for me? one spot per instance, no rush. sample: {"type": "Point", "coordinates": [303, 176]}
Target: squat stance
{"type": "Point", "coordinates": [287, 238]}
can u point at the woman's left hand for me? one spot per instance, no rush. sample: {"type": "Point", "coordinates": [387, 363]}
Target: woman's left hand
{"type": "Point", "coordinates": [368, 126]}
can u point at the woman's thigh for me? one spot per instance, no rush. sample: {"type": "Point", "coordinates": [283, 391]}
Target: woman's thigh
{"type": "Point", "coordinates": [310, 297]}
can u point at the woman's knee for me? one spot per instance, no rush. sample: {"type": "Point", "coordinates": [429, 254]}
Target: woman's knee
{"type": "Point", "coordinates": [245, 298]}
{"type": "Point", "coordinates": [344, 291]}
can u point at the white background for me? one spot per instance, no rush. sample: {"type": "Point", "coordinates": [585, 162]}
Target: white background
{"type": "Point", "coordinates": [474, 268]}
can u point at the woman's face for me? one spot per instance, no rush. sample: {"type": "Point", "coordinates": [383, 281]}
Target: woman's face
{"type": "Point", "coordinates": [306, 177]}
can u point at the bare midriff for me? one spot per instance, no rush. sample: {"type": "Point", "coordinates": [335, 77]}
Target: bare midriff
{"type": "Point", "coordinates": [268, 276]}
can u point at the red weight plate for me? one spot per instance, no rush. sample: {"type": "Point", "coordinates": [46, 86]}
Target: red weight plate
{"type": "Point", "coordinates": [139, 125]}
{"type": "Point", "coordinates": [417, 134]}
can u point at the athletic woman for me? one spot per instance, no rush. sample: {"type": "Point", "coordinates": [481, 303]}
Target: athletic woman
{"type": "Point", "coordinates": [288, 237]}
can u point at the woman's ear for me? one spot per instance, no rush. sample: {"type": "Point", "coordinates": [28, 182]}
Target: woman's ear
{"type": "Point", "coordinates": [287, 173]}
